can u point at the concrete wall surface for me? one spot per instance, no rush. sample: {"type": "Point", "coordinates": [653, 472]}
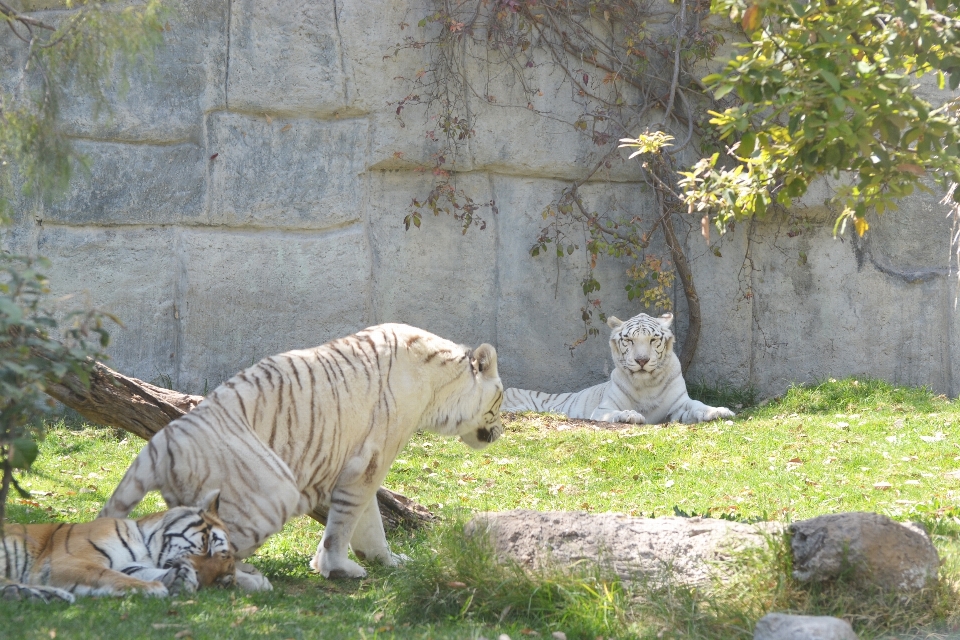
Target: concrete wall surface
{"type": "Point", "coordinates": [249, 198]}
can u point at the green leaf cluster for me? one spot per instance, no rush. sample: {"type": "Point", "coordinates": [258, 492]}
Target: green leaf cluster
{"type": "Point", "coordinates": [829, 87]}
{"type": "Point", "coordinates": [33, 356]}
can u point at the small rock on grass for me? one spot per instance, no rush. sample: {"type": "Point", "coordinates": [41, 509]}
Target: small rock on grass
{"type": "Point", "coordinates": [871, 548]}
{"type": "Point", "coordinates": [782, 626]}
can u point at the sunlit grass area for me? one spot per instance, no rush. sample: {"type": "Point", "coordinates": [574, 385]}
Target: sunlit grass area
{"type": "Point", "coordinates": [851, 445]}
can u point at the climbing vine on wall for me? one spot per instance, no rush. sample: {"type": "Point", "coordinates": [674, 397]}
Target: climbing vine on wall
{"type": "Point", "coordinates": [625, 66]}
{"type": "Point", "coordinates": [825, 87]}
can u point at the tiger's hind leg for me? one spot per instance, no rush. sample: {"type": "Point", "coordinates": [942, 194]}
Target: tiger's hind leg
{"type": "Point", "coordinates": [45, 594]}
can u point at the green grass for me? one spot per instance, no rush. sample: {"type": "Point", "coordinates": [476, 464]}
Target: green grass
{"type": "Point", "coordinates": [838, 446]}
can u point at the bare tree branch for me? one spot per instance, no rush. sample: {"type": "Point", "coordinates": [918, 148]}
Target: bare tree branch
{"type": "Point", "coordinates": [676, 63]}
{"type": "Point", "coordinates": [14, 15]}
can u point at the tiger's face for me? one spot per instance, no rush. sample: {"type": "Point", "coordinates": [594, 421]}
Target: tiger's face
{"type": "Point", "coordinates": [214, 561]}
{"type": "Point", "coordinates": [199, 537]}
{"type": "Point", "coordinates": [484, 364]}
{"type": "Point", "coordinates": [641, 344]}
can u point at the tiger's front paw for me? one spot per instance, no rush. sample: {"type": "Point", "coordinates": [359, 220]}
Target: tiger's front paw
{"type": "Point", "coordinates": [384, 556]}
{"type": "Point", "coordinates": [391, 559]}
{"type": "Point", "coordinates": [717, 412]}
{"type": "Point", "coordinates": [248, 578]}
{"type": "Point", "coordinates": [153, 588]}
{"type": "Point", "coordinates": [182, 577]}
{"type": "Point", "coordinates": [629, 416]}
{"type": "Point", "coordinates": [330, 567]}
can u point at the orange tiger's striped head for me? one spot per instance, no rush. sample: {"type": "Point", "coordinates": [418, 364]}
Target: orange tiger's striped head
{"type": "Point", "coordinates": [200, 537]}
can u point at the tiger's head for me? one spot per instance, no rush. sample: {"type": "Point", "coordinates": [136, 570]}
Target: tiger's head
{"type": "Point", "coordinates": [487, 426]}
{"type": "Point", "coordinates": [197, 535]}
{"type": "Point", "coordinates": [642, 344]}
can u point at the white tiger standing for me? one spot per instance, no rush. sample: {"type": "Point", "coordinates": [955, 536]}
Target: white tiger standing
{"type": "Point", "coordinates": [318, 427]}
{"type": "Point", "coordinates": [646, 386]}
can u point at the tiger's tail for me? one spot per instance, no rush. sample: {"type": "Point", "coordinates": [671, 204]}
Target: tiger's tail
{"type": "Point", "coordinates": [144, 475]}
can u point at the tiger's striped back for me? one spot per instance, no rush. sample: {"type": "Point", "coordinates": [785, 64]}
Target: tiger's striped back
{"type": "Point", "coordinates": [573, 404]}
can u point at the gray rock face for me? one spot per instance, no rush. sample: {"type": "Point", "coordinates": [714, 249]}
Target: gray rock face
{"type": "Point", "coordinates": [135, 184]}
{"type": "Point", "coordinates": [285, 57]}
{"type": "Point", "coordinates": [248, 196]}
{"type": "Point", "coordinates": [781, 626]}
{"type": "Point", "coordinates": [284, 173]}
{"type": "Point", "coordinates": [874, 548]}
{"type": "Point", "coordinates": [685, 550]}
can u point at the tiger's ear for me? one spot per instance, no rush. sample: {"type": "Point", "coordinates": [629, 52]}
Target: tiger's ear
{"type": "Point", "coordinates": [484, 361]}
{"type": "Point", "coordinates": [210, 502]}
{"type": "Point", "coordinates": [666, 320]}
{"type": "Point", "coordinates": [614, 322]}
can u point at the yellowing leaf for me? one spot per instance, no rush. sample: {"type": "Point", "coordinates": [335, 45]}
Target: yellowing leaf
{"type": "Point", "coordinates": [915, 169]}
{"type": "Point", "coordinates": [861, 226]}
{"type": "Point", "coordinates": [751, 19]}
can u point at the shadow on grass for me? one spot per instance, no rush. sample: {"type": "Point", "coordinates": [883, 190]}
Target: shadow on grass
{"type": "Point", "coordinates": [855, 394]}
{"type": "Point", "coordinates": [723, 395]}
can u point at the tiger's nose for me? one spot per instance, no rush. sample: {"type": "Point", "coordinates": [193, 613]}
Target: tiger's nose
{"type": "Point", "coordinates": [643, 361]}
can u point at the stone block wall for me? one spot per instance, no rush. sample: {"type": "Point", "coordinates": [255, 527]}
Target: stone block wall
{"type": "Point", "coordinates": [248, 199]}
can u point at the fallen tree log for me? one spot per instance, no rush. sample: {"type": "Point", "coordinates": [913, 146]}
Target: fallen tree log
{"type": "Point", "coordinates": [143, 409]}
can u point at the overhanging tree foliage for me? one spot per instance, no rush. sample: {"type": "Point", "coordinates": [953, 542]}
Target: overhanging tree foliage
{"type": "Point", "coordinates": [91, 49]}
{"type": "Point", "coordinates": [830, 88]}
{"type": "Point", "coordinates": [621, 69]}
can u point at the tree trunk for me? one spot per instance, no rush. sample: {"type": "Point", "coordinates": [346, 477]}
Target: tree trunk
{"type": "Point", "coordinates": [682, 265]}
{"type": "Point", "coordinates": [115, 400]}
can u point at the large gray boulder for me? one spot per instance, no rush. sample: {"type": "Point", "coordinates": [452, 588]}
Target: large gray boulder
{"type": "Point", "coordinates": [782, 626]}
{"type": "Point", "coordinates": [875, 549]}
{"type": "Point", "coordinates": [684, 550]}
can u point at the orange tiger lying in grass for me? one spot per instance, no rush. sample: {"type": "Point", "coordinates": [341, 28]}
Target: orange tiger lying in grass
{"type": "Point", "coordinates": [160, 554]}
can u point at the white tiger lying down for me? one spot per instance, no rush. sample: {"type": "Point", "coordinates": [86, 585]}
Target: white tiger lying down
{"type": "Point", "coordinates": [646, 386]}
{"type": "Point", "coordinates": [160, 554]}
{"type": "Point", "coordinates": [318, 427]}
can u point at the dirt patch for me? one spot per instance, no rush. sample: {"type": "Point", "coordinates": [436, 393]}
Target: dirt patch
{"type": "Point", "coordinates": [555, 422]}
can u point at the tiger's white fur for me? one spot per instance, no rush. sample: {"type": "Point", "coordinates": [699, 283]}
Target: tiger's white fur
{"type": "Point", "coordinates": [318, 427]}
{"type": "Point", "coordinates": [646, 385]}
